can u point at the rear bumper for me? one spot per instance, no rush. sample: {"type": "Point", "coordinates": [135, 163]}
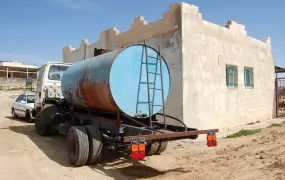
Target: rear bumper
{"type": "Point", "coordinates": [171, 136]}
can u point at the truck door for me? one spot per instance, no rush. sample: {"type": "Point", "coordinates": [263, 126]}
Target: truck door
{"type": "Point", "coordinates": [38, 93]}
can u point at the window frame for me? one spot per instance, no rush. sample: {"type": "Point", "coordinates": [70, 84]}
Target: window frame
{"type": "Point", "coordinates": [55, 65]}
{"type": "Point", "coordinates": [18, 100]}
{"type": "Point", "coordinates": [235, 84]}
{"type": "Point", "coordinates": [31, 95]}
{"type": "Point", "coordinates": [251, 77]}
{"type": "Point", "coordinates": [24, 98]}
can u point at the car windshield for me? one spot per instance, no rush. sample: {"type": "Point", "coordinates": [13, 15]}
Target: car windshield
{"type": "Point", "coordinates": [31, 99]}
{"type": "Point", "coordinates": [56, 72]}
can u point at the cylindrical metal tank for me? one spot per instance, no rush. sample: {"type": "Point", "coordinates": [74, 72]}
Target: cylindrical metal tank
{"type": "Point", "coordinates": [115, 81]}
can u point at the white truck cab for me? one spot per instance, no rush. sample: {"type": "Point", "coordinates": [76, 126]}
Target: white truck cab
{"type": "Point", "coordinates": [49, 75]}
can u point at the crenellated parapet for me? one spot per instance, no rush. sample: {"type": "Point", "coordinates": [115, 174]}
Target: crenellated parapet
{"type": "Point", "coordinates": [141, 30]}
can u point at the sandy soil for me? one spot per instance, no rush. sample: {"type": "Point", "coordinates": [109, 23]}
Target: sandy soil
{"type": "Point", "coordinates": [25, 155]}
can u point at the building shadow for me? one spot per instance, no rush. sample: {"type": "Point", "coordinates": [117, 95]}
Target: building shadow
{"type": "Point", "coordinates": [116, 165]}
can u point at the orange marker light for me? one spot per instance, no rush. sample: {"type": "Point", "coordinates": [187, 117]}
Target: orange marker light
{"type": "Point", "coordinates": [135, 147]}
{"type": "Point", "coordinates": [141, 147]}
{"type": "Point", "coordinates": [214, 138]}
{"type": "Point", "coordinates": [210, 138]}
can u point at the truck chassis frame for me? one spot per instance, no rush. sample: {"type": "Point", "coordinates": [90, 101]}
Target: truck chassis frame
{"type": "Point", "coordinates": [89, 131]}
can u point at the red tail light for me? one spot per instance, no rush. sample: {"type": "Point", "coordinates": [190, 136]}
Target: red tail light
{"type": "Point", "coordinates": [138, 155]}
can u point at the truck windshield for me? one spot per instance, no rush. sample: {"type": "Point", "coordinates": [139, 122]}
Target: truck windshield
{"type": "Point", "coordinates": [30, 98]}
{"type": "Point", "coordinates": [56, 72]}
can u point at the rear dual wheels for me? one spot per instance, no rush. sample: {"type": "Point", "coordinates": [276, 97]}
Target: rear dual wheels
{"type": "Point", "coordinates": [156, 148]}
{"type": "Point", "coordinates": [84, 145]}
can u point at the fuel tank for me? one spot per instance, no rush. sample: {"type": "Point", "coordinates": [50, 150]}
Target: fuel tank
{"type": "Point", "coordinates": [116, 81]}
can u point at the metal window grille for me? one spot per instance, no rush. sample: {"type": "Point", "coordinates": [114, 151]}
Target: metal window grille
{"type": "Point", "coordinates": [231, 76]}
{"type": "Point", "coordinates": [248, 77]}
{"type": "Point", "coordinates": [280, 95]}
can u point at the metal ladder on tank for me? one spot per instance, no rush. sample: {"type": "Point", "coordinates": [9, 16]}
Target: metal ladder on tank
{"type": "Point", "coordinates": [150, 101]}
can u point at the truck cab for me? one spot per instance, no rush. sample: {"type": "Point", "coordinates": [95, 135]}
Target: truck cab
{"type": "Point", "coordinates": [49, 75]}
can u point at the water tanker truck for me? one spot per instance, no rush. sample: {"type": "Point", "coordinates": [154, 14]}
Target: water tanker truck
{"type": "Point", "coordinates": [113, 101]}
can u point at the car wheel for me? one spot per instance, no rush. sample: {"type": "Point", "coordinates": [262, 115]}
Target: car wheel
{"type": "Point", "coordinates": [28, 117]}
{"type": "Point", "coordinates": [14, 115]}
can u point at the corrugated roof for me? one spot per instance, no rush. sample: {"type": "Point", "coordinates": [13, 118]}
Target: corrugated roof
{"type": "Point", "coordinates": [279, 69]}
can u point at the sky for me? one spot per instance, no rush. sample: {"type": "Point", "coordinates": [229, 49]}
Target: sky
{"type": "Point", "coordinates": [35, 31]}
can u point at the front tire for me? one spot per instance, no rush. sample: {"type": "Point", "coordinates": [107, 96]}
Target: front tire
{"type": "Point", "coordinates": [14, 115]}
{"type": "Point", "coordinates": [43, 120]}
{"type": "Point", "coordinates": [78, 145]}
{"type": "Point", "coordinates": [42, 129]}
{"type": "Point", "coordinates": [28, 117]}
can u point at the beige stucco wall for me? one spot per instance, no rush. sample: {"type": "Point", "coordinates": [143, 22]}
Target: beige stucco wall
{"type": "Point", "coordinates": [197, 52]}
{"type": "Point", "coordinates": [14, 82]}
{"type": "Point", "coordinates": [206, 49]}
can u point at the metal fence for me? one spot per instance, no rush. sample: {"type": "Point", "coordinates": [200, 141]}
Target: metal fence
{"type": "Point", "coordinates": [280, 97]}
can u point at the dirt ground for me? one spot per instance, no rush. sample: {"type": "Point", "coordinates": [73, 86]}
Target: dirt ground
{"type": "Point", "coordinates": [25, 155]}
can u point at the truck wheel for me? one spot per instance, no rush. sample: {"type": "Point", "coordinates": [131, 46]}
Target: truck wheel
{"type": "Point", "coordinates": [95, 144]}
{"type": "Point", "coordinates": [162, 147]}
{"type": "Point", "coordinates": [42, 129]}
{"type": "Point", "coordinates": [43, 122]}
{"type": "Point", "coordinates": [151, 148]}
{"type": "Point", "coordinates": [78, 145]}
{"type": "Point", "coordinates": [49, 110]}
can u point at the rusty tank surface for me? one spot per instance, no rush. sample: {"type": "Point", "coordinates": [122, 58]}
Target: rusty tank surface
{"type": "Point", "coordinates": [113, 81]}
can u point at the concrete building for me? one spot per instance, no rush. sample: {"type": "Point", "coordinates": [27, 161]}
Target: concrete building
{"type": "Point", "coordinates": [15, 73]}
{"type": "Point", "coordinates": [221, 77]}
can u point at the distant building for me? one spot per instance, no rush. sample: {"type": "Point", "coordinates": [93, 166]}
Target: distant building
{"type": "Point", "coordinates": [221, 77]}
{"type": "Point", "coordinates": [17, 74]}
{"type": "Point", "coordinates": [17, 70]}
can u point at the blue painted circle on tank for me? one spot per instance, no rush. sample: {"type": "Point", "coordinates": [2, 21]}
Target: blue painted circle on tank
{"type": "Point", "coordinates": [129, 94]}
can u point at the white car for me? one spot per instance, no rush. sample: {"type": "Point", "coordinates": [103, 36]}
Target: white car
{"type": "Point", "coordinates": [23, 106]}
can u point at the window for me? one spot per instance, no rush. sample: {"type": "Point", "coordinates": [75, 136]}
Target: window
{"type": "Point", "coordinates": [19, 98]}
{"type": "Point", "coordinates": [30, 98]}
{"type": "Point", "coordinates": [56, 72]}
{"type": "Point", "coordinates": [232, 76]}
{"type": "Point", "coordinates": [24, 98]}
{"type": "Point", "coordinates": [248, 77]}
